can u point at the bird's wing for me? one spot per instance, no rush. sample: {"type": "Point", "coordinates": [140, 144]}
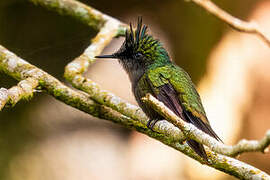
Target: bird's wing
{"type": "Point", "coordinates": [173, 86]}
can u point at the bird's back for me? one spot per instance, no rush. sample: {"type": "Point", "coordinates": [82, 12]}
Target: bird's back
{"type": "Point", "coordinates": [173, 86]}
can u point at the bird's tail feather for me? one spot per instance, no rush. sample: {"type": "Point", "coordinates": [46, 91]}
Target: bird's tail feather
{"type": "Point", "coordinates": [198, 148]}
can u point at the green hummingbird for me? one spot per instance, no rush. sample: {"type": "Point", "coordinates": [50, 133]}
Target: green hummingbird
{"type": "Point", "coordinates": [151, 70]}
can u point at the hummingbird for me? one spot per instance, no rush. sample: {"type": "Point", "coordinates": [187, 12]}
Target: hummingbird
{"type": "Point", "coordinates": [151, 70]}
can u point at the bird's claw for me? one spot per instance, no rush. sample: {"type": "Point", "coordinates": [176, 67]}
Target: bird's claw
{"type": "Point", "coordinates": [151, 124]}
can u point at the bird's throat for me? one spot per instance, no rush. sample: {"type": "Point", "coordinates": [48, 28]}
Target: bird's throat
{"type": "Point", "coordinates": [134, 70]}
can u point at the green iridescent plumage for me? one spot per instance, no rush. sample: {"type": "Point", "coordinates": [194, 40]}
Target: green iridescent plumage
{"type": "Point", "coordinates": [182, 83]}
{"type": "Point", "coordinates": [151, 71]}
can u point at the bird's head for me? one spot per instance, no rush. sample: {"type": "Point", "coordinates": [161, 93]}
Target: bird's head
{"type": "Point", "coordinates": [139, 49]}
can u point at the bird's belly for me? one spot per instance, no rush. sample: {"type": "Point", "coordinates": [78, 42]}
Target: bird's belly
{"type": "Point", "coordinates": [139, 92]}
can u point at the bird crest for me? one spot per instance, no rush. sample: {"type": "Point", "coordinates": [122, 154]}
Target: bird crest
{"type": "Point", "coordinates": [140, 47]}
{"type": "Point", "coordinates": [140, 41]}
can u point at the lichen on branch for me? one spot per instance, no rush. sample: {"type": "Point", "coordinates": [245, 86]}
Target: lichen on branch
{"type": "Point", "coordinates": [190, 131]}
{"type": "Point", "coordinates": [20, 69]}
{"type": "Point", "coordinates": [24, 90]}
{"type": "Point", "coordinates": [105, 105]}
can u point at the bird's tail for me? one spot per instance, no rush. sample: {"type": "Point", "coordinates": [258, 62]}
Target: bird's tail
{"type": "Point", "coordinates": [198, 148]}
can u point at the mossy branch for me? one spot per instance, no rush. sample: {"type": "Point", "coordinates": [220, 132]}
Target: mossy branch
{"type": "Point", "coordinates": [96, 19]}
{"type": "Point", "coordinates": [192, 132]}
{"type": "Point", "coordinates": [28, 74]}
{"type": "Point", "coordinates": [79, 11]}
{"type": "Point", "coordinates": [20, 69]}
{"type": "Point", "coordinates": [24, 90]}
{"type": "Point", "coordinates": [73, 73]}
{"type": "Point", "coordinates": [103, 104]}
{"type": "Point", "coordinates": [74, 9]}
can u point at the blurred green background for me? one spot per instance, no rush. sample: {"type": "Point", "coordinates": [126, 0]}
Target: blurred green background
{"type": "Point", "coordinates": [50, 41]}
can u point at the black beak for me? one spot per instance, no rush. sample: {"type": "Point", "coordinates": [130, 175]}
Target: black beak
{"type": "Point", "coordinates": [106, 56]}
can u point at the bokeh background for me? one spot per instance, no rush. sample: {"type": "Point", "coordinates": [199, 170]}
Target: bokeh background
{"type": "Point", "coordinates": [45, 139]}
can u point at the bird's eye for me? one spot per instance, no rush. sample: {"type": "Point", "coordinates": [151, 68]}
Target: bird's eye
{"type": "Point", "coordinates": [138, 55]}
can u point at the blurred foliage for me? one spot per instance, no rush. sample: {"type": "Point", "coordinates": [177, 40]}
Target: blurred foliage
{"type": "Point", "coordinates": [50, 41]}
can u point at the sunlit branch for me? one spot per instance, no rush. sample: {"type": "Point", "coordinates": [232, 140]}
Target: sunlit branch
{"type": "Point", "coordinates": [190, 131]}
{"type": "Point", "coordinates": [103, 104]}
{"type": "Point", "coordinates": [20, 69]}
{"type": "Point", "coordinates": [24, 90]}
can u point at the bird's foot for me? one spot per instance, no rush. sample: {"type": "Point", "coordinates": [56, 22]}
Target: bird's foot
{"type": "Point", "coordinates": [151, 123]}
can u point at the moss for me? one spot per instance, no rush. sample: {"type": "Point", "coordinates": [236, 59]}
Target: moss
{"type": "Point", "coordinates": [68, 76]}
{"type": "Point", "coordinates": [28, 97]}
{"type": "Point", "coordinates": [73, 100]}
{"type": "Point", "coordinates": [57, 92]}
{"type": "Point", "coordinates": [121, 31]}
{"type": "Point", "coordinates": [255, 172]}
{"type": "Point", "coordinates": [41, 82]}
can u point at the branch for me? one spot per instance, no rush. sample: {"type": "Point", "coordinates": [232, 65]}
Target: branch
{"type": "Point", "coordinates": [239, 25]}
{"type": "Point", "coordinates": [192, 132]}
{"type": "Point", "coordinates": [105, 104]}
{"type": "Point", "coordinates": [74, 9]}
{"type": "Point", "coordinates": [20, 69]}
{"type": "Point", "coordinates": [24, 90]}
{"type": "Point", "coordinates": [96, 19]}
{"type": "Point", "coordinates": [79, 11]}
{"type": "Point", "coordinates": [74, 70]}
{"type": "Point", "coordinates": [73, 74]}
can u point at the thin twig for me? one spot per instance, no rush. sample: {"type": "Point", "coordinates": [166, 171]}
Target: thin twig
{"type": "Point", "coordinates": [242, 26]}
{"type": "Point", "coordinates": [24, 90]}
